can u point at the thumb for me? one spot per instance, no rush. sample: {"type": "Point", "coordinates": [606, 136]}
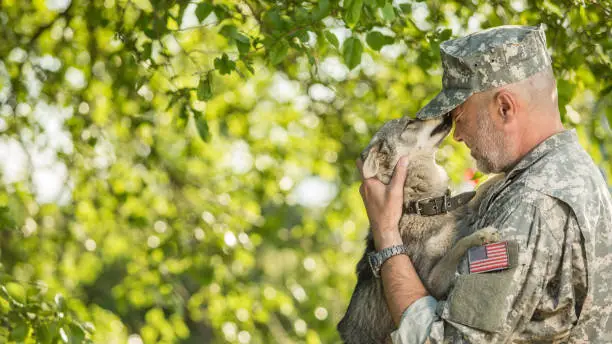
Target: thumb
{"type": "Point", "coordinates": [399, 174]}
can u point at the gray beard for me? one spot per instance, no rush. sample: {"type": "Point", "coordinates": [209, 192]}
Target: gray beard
{"type": "Point", "coordinates": [484, 166]}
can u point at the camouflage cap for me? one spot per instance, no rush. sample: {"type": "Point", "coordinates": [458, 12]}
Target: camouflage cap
{"type": "Point", "coordinates": [485, 60]}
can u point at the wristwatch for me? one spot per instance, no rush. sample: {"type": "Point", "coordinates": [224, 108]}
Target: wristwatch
{"type": "Point", "coordinates": [376, 259]}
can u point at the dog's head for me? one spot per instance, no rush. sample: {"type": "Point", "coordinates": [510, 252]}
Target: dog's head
{"type": "Point", "coordinates": [399, 137]}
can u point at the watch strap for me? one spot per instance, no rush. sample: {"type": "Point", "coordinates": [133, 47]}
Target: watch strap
{"type": "Point", "coordinates": [377, 259]}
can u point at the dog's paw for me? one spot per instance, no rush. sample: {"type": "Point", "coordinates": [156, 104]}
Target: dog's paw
{"type": "Point", "coordinates": [487, 235]}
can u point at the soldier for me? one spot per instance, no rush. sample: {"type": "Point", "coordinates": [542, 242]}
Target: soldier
{"type": "Point", "coordinates": [553, 206]}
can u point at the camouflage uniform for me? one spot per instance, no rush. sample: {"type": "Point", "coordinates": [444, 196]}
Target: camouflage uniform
{"type": "Point", "coordinates": [556, 210]}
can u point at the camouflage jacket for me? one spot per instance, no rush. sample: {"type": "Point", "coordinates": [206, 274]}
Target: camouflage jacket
{"type": "Point", "coordinates": [555, 207]}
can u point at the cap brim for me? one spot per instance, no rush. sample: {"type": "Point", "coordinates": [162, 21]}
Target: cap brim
{"type": "Point", "coordinates": [444, 103]}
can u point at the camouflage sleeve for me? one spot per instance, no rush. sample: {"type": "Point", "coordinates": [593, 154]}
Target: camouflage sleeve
{"type": "Point", "coordinates": [494, 307]}
{"type": "Point", "coordinates": [416, 322]}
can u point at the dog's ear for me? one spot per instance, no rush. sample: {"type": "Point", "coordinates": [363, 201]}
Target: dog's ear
{"type": "Point", "coordinates": [370, 165]}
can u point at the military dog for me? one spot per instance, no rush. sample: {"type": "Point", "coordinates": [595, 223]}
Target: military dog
{"type": "Point", "coordinates": [432, 241]}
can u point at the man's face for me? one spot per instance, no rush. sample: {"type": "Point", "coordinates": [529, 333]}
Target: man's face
{"type": "Point", "coordinates": [485, 137]}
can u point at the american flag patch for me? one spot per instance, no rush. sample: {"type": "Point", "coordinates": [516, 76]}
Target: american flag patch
{"type": "Point", "coordinates": [488, 257]}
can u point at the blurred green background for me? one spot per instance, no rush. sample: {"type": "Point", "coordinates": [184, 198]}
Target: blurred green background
{"type": "Point", "coordinates": [182, 171]}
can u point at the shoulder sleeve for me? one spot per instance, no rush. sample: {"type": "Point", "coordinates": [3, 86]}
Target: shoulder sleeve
{"type": "Point", "coordinates": [416, 322]}
{"type": "Point", "coordinates": [489, 307]}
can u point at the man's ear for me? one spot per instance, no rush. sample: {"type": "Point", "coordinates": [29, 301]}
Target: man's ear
{"type": "Point", "coordinates": [507, 105]}
{"type": "Point", "coordinates": [370, 165]}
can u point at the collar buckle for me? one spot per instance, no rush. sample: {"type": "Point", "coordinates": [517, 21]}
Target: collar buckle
{"type": "Point", "coordinates": [417, 204]}
{"type": "Point", "coordinates": [440, 204]}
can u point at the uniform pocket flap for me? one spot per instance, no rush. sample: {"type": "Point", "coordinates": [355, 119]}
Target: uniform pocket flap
{"type": "Point", "coordinates": [484, 300]}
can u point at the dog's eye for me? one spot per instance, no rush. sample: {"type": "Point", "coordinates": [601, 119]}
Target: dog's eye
{"type": "Point", "coordinates": [409, 124]}
{"type": "Point", "coordinates": [384, 148]}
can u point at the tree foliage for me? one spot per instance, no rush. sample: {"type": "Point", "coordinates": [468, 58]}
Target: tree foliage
{"type": "Point", "coordinates": [203, 153]}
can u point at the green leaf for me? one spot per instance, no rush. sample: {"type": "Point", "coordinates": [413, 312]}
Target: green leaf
{"type": "Point", "coordinates": [146, 51]}
{"type": "Point", "coordinates": [77, 335]}
{"type": "Point", "coordinates": [273, 20]}
{"type": "Point", "coordinates": [301, 16]}
{"type": "Point", "coordinates": [377, 40]}
{"type": "Point", "coordinates": [243, 47]}
{"type": "Point", "coordinates": [6, 219]}
{"type": "Point", "coordinates": [278, 52]}
{"type": "Point", "coordinates": [224, 65]}
{"type": "Point", "coordinates": [159, 26]}
{"type": "Point", "coordinates": [20, 332]}
{"type": "Point", "coordinates": [445, 34]}
{"type": "Point", "coordinates": [203, 10]}
{"type": "Point", "coordinates": [5, 306]}
{"type": "Point", "coordinates": [151, 34]}
{"type": "Point", "coordinates": [241, 38]}
{"type": "Point", "coordinates": [16, 291]}
{"type": "Point", "coordinates": [231, 33]}
{"type": "Point", "coordinates": [205, 87]}
{"type": "Point", "coordinates": [321, 11]}
{"type": "Point", "coordinates": [202, 126]}
{"type": "Point", "coordinates": [46, 333]}
{"type": "Point", "coordinates": [331, 38]}
{"type": "Point", "coordinates": [370, 3]}
{"type": "Point", "coordinates": [388, 12]}
{"type": "Point", "coordinates": [351, 51]}
{"type": "Point", "coordinates": [303, 36]}
{"type": "Point", "coordinates": [228, 31]}
{"type": "Point", "coordinates": [222, 11]}
{"type": "Point", "coordinates": [406, 8]}
{"type": "Point", "coordinates": [353, 12]}
{"type": "Point", "coordinates": [185, 112]}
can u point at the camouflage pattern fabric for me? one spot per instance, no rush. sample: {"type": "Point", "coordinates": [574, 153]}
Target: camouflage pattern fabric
{"type": "Point", "coordinates": [485, 60]}
{"type": "Point", "coordinates": [556, 206]}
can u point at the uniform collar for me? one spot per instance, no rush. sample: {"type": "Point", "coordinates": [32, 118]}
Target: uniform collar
{"type": "Point", "coordinates": [550, 144]}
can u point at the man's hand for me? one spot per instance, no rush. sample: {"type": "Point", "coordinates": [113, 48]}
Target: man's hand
{"type": "Point", "coordinates": [383, 204]}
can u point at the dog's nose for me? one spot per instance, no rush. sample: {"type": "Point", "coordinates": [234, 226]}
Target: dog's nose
{"type": "Point", "coordinates": [444, 126]}
{"type": "Point", "coordinates": [448, 119]}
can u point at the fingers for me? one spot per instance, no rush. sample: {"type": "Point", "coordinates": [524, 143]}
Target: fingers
{"type": "Point", "coordinates": [399, 174]}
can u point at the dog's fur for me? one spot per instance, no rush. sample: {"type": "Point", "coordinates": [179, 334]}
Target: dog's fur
{"type": "Point", "coordinates": [432, 241]}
